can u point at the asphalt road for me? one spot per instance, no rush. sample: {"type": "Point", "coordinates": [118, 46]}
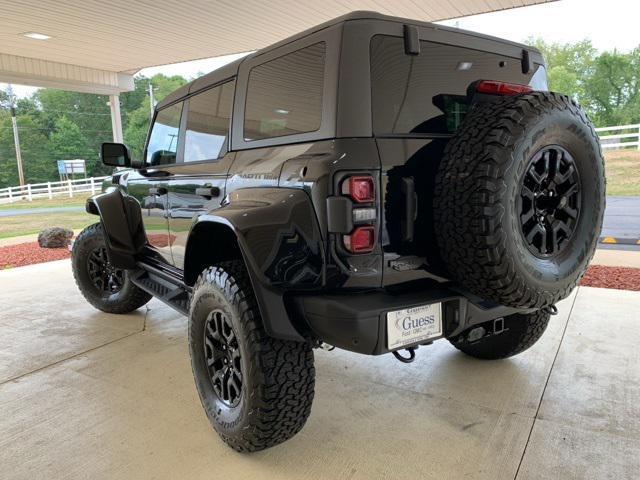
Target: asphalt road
{"type": "Point", "coordinates": [621, 219]}
{"type": "Point", "coordinates": [28, 211]}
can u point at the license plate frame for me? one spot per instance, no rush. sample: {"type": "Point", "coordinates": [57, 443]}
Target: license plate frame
{"type": "Point", "coordinates": [413, 325]}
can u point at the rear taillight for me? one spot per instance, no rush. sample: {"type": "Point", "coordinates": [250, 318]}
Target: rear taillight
{"type": "Point", "coordinates": [491, 87]}
{"type": "Point", "coordinates": [360, 188]}
{"type": "Point", "coordinates": [361, 240]}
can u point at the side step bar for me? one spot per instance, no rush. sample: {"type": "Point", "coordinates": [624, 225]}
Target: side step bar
{"type": "Point", "coordinates": [164, 286]}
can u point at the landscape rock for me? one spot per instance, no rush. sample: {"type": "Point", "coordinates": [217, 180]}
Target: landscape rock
{"type": "Point", "coordinates": [55, 237]}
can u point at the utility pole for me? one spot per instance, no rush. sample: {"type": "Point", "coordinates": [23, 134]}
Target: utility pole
{"type": "Point", "coordinates": [16, 137]}
{"type": "Point", "coordinates": [151, 101]}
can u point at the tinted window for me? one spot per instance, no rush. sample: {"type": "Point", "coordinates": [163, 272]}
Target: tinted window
{"type": "Point", "coordinates": [426, 93]}
{"type": "Point", "coordinates": [208, 123]}
{"type": "Point", "coordinates": [163, 141]}
{"type": "Point", "coordinates": [284, 96]}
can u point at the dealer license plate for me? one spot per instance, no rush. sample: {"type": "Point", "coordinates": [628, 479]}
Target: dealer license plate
{"type": "Point", "coordinates": [413, 325]}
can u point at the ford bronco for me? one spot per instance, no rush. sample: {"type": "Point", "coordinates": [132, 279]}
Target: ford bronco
{"type": "Point", "coordinates": [372, 184]}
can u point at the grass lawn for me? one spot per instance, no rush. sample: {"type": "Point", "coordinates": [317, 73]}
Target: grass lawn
{"type": "Point", "coordinates": [77, 201]}
{"type": "Point", "coordinates": [622, 168]}
{"type": "Point", "coordinates": [17, 225]}
{"type": "Point", "coordinates": [623, 172]}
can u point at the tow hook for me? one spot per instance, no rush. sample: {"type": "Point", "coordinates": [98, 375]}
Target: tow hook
{"type": "Point", "coordinates": [326, 346]}
{"type": "Point", "coordinates": [410, 358]}
{"type": "Point", "coordinates": [551, 310]}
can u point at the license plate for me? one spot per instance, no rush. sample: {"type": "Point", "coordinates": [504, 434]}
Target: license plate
{"type": "Point", "coordinates": [413, 325]}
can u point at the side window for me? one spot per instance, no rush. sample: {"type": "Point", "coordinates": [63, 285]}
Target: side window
{"type": "Point", "coordinates": [163, 141]}
{"type": "Point", "coordinates": [208, 118]}
{"type": "Point", "coordinates": [284, 96]}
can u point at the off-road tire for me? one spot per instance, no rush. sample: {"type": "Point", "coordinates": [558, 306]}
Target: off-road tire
{"type": "Point", "coordinates": [129, 298]}
{"type": "Point", "coordinates": [476, 218]}
{"type": "Point", "coordinates": [278, 376]}
{"type": "Point", "coordinates": [521, 331]}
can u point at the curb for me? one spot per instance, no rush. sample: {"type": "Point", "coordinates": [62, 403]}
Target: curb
{"type": "Point", "coordinates": [619, 241]}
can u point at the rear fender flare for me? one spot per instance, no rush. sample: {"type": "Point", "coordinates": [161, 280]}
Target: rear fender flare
{"type": "Point", "coordinates": [279, 238]}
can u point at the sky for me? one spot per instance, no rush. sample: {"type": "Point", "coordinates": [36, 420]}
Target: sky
{"type": "Point", "coordinates": [609, 24]}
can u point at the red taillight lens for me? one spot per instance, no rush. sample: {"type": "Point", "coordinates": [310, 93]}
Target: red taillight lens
{"type": "Point", "coordinates": [360, 189]}
{"type": "Point", "coordinates": [491, 87]}
{"type": "Point", "coordinates": [361, 240]}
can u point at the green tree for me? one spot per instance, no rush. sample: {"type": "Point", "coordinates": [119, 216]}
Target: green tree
{"type": "Point", "coordinates": [34, 146]}
{"type": "Point", "coordinates": [612, 92]}
{"type": "Point", "coordinates": [68, 143]}
{"type": "Point", "coordinates": [568, 65]}
{"type": "Point", "coordinates": [138, 120]}
{"type": "Point", "coordinates": [137, 127]}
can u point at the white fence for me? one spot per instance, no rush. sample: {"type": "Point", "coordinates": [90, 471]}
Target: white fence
{"type": "Point", "coordinates": [67, 188]}
{"type": "Point", "coordinates": [623, 136]}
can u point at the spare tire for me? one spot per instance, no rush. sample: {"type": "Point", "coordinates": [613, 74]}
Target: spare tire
{"type": "Point", "coordinates": [519, 199]}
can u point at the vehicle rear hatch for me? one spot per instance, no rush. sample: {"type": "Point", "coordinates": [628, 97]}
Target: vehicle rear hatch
{"type": "Point", "coordinates": [418, 101]}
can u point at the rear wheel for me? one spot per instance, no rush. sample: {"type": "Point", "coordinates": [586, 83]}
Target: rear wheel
{"type": "Point", "coordinates": [256, 390]}
{"type": "Point", "coordinates": [105, 287]}
{"type": "Point", "coordinates": [520, 331]}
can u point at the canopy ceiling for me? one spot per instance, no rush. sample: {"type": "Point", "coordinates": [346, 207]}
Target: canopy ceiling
{"type": "Point", "coordinates": [97, 46]}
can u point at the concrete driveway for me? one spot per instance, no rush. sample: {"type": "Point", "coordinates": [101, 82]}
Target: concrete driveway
{"type": "Point", "coordinates": [85, 394]}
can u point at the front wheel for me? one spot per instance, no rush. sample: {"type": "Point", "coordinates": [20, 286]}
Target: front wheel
{"type": "Point", "coordinates": [105, 287]}
{"type": "Point", "coordinates": [256, 390]}
{"type": "Point", "coordinates": [520, 331]}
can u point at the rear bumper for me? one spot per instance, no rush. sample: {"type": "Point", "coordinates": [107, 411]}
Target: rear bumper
{"type": "Point", "coordinates": [357, 321]}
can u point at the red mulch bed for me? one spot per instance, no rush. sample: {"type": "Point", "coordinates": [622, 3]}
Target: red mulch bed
{"type": "Point", "coordinates": [620, 278]}
{"type": "Point", "coordinates": [29, 253]}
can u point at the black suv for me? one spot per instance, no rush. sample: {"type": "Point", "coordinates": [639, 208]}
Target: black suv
{"type": "Point", "coordinates": [372, 184]}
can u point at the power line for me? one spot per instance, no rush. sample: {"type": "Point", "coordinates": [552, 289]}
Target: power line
{"type": "Point", "coordinates": [72, 112]}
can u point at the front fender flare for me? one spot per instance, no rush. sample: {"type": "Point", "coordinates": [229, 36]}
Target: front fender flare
{"type": "Point", "coordinates": [121, 220]}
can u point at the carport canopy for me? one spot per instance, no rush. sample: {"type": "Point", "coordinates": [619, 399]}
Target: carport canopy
{"type": "Point", "coordinates": [97, 47]}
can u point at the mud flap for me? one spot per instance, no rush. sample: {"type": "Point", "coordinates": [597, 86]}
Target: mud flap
{"type": "Point", "coordinates": [121, 221]}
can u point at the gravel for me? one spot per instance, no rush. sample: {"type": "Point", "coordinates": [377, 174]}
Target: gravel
{"type": "Point", "coordinates": [28, 254]}
{"type": "Point", "coordinates": [620, 278]}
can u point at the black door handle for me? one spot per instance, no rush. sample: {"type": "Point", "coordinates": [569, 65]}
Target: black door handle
{"type": "Point", "coordinates": [208, 191]}
{"type": "Point", "coordinates": [157, 191]}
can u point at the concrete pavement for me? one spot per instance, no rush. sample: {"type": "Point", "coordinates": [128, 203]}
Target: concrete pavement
{"type": "Point", "coordinates": [85, 394]}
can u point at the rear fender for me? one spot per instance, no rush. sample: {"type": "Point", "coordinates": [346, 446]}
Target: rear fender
{"type": "Point", "coordinates": [121, 221]}
{"type": "Point", "coordinates": [279, 238]}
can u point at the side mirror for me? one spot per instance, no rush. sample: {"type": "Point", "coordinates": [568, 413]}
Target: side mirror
{"type": "Point", "coordinates": [115, 154]}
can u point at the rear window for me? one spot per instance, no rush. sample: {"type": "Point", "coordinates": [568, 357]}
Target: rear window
{"type": "Point", "coordinates": [284, 96]}
{"type": "Point", "coordinates": [207, 127]}
{"type": "Point", "coordinates": [426, 93]}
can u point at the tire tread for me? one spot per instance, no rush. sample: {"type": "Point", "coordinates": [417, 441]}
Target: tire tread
{"type": "Point", "coordinates": [282, 372]}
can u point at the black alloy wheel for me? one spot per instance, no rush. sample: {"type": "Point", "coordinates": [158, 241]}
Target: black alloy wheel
{"type": "Point", "coordinates": [222, 355]}
{"type": "Point", "coordinates": [255, 389]}
{"type": "Point", "coordinates": [107, 288]}
{"type": "Point", "coordinates": [104, 277]}
{"type": "Point", "coordinates": [550, 199]}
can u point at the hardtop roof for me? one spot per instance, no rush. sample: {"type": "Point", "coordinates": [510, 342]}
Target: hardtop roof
{"type": "Point", "coordinates": [231, 69]}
